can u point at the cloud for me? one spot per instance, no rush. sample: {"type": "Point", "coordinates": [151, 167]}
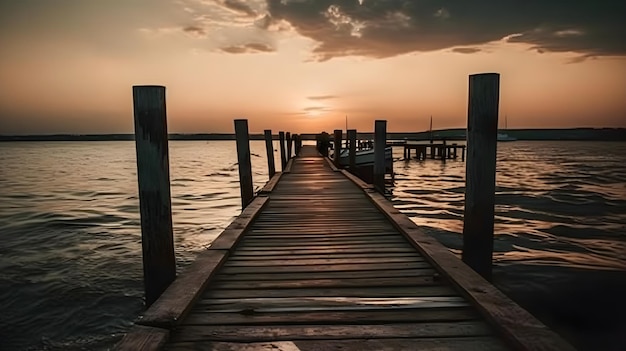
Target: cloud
{"type": "Point", "coordinates": [322, 97]}
{"type": "Point", "coordinates": [385, 28]}
{"type": "Point", "coordinates": [466, 50]}
{"type": "Point", "coordinates": [251, 48]}
{"type": "Point", "coordinates": [195, 31]}
{"type": "Point", "coordinates": [238, 6]}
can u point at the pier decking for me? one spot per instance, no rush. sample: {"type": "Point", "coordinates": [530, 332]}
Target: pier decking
{"type": "Point", "coordinates": [320, 261]}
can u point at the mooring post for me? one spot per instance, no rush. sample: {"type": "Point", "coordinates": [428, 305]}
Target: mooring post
{"type": "Point", "coordinates": [155, 204]}
{"type": "Point", "coordinates": [283, 157]}
{"type": "Point", "coordinates": [380, 142]}
{"type": "Point", "coordinates": [297, 144]}
{"type": "Point", "coordinates": [243, 159]}
{"type": "Point", "coordinates": [480, 172]}
{"type": "Point", "coordinates": [288, 137]}
{"type": "Point", "coordinates": [444, 151]}
{"type": "Point", "coordinates": [352, 148]}
{"type": "Point", "coordinates": [269, 149]}
{"type": "Point", "coordinates": [337, 146]}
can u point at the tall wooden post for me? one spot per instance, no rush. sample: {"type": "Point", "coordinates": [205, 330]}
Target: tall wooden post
{"type": "Point", "coordinates": [155, 204]}
{"type": "Point", "coordinates": [380, 142]}
{"type": "Point", "coordinates": [283, 157]}
{"type": "Point", "coordinates": [337, 143]}
{"type": "Point", "coordinates": [288, 137]}
{"type": "Point", "coordinates": [480, 174]}
{"type": "Point", "coordinates": [296, 144]}
{"type": "Point", "coordinates": [352, 150]}
{"type": "Point", "coordinates": [243, 159]}
{"type": "Point", "coordinates": [269, 149]}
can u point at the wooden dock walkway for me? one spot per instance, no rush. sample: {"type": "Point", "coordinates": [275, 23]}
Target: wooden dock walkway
{"type": "Point", "coordinates": [320, 261]}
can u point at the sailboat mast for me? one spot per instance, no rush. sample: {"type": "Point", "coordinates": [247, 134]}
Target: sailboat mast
{"type": "Point", "coordinates": [430, 130]}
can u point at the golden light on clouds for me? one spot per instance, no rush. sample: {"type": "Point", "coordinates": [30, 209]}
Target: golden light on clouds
{"type": "Point", "coordinates": [292, 65]}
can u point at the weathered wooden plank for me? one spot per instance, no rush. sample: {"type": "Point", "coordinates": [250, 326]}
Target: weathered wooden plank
{"type": "Point", "coordinates": [313, 332]}
{"type": "Point", "coordinates": [229, 237]}
{"type": "Point", "coordinates": [335, 317]}
{"type": "Point", "coordinates": [241, 251]}
{"type": "Point", "coordinates": [476, 343]}
{"type": "Point", "coordinates": [142, 338]}
{"type": "Point", "coordinates": [271, 184]}
{"type": "Point", "coordinates": [326, 275]}
{"type": "Point", "coordinates": [306, 255]}
{"type": "Point", "coordinates": [435, 290]}
{"type": "Point", "coordinates": [320, 261]}
{"type": "Point", "coordinates": [326, 247]}
{"type": "Point", "coordinates": [325, 268]}
{"type": "Point", "coordinates": [175, 302]}
{"type": "Point", "coordinates": [235, 346]}
{"type": "Point", "coordinates": [328, 283]}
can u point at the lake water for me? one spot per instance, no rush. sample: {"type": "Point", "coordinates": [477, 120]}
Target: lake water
{"type": "Point", "coordinates": [70, 242]}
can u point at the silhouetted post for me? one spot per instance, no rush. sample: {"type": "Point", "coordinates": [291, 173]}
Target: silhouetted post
{"type": "Point", "coordinates": [380, 142]}
{"type": "Point", "coordinates": [480, 174]}
{"type": "Point", "coordinates": [155, 204]}
{"type": "Point", "coordinates": [297, 144]}
{"type": "Point", "coordinates": [352, 150]}
{"type": "Point", "coordinates": [288, 137]}
{"type": "Point", "coordinates": [243, 159]}
{"type": "Point", "coordinates": [269, 149]}
{"type": "Point", "coordinates": [444, 151]}
{"type": "Point", "coordinates": [283, 157]}
{"type": "Point", "coordinates": [337, 142]}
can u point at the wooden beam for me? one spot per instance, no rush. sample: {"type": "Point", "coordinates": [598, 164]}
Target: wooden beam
{"type": "Point", "coordinates": [243, 158]}
{"type": "Point", "coordinates": [380, 142]}
{"type": "Point", "coordinates": [269, 149]}
{"type": "Point", "coordinates": [155, 204]}
{"type": "Point", "coordinates": [480, 172]}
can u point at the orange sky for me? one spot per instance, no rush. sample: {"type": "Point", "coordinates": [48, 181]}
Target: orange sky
{"type": "Point", "coordinates": [302, 66]}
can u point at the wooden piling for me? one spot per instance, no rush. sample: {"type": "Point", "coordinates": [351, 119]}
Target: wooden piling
{"type": "Point", "coordinates": [480, 174]}
{"type": "Point", "coordinates": [352, 148]}
{"type": "Point", "coordinates": [269, 149]}
{"type": "Point", "coordinates": [243, 158]}
{"type": "Point", "coordinates": [288, 137]}
{"type": "Point", "coordinates": [283, 157]}
{"type": "Point", "coordinates": [155, 204]}
{"type": "Point", "coordinates": [337, 145]}
{"type": "Point", "coordinates": [380, 142]}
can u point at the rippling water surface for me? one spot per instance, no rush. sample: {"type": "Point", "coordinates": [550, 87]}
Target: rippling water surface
{"type": "Point", "coordinates": [70, 251]}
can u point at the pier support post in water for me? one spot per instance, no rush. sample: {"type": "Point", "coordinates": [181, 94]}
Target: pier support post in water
{"type": "Point", "coordinates": [480, 172]}
{"type": "Point", "coordinates": [283, 157]}
{"type": "Point", "coordinates": [269, 149]}
{"type": "Point", "coordinates": [337, 145]}
{"type": "Point", "coordinates": [380, 142]}
{"type": "Point", "coordinates": [288, 137]}
{"type": "Point", "coordinates": [352, 148]}
{"type": "Point", "coordinates": [155, 204]}
{"type": "Point", "coordinates": [243, 159]}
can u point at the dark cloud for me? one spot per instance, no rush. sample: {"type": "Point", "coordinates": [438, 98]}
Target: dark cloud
{"type": "Point", "coordinates": [195, 31]}
{"type": "Point", "coordinates": [322, 97]}
{"type": "Point", "coordinates": [239, 7]}
{"type": "Point", "coordinates": [248, 48]}
{"type": "Point", "coordinates": [384, 28]}
{"type": "Point", "coordinates": [466, 50]}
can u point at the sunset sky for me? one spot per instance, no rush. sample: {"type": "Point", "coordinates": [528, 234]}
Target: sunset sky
{"type": "Point", "coordinates": [67, 66]}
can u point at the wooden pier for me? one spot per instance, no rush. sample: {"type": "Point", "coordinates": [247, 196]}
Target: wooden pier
{"type": "Point", "coordinates": [319, 260]}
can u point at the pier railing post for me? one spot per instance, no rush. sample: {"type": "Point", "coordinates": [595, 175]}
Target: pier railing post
{"type": "Point", "coordinates": [380, 142]}
{"type": "Point", "coordinates": [243, 159]}
{"type": "Point", "coordinates": [155, 204]}
{"type": "Point", "coordinates": [283, 157]}
{"type": "Point", "coordinates": [289, 139]}
{"type": "Point", "coordinates": [480, 174]}
{"type": "Point", "coordinates": [269, 149]}
{"type": "Point", "coordinates": [337, 145]}
{"type": "Point", "coordinates": [352, 150]}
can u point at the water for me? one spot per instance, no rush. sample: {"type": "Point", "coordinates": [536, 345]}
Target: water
{"type": "Point", "coordinates": [70, 251]}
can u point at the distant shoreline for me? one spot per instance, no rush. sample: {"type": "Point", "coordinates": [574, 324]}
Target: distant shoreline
{"type": "Point", "coordinates": [573, 134]}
